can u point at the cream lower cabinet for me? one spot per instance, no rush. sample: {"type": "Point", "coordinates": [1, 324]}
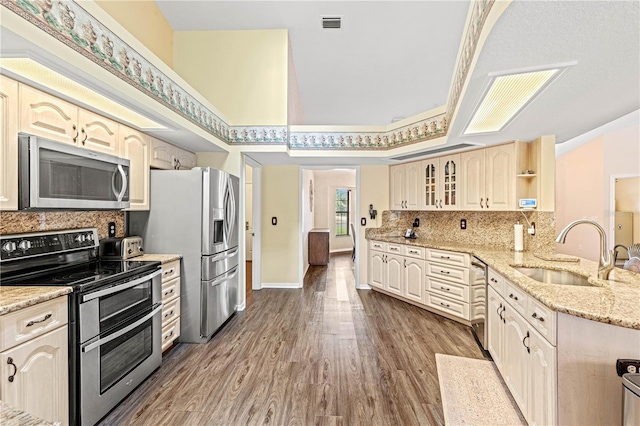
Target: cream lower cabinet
{"type": "Point", "coordinates": [170, 303]}
{"type": "Point", "coordinates": [525, 359]}
{"type": "Point", "coordinates": [397, 269]}
{"type": "Point", "coordinates": [34, 376]}
{"type": "Point", "coordinates": [8, 144]}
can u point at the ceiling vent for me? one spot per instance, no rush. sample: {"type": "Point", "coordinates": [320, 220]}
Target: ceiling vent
{"type": "Point", "coordinates": [430, 152]}
{"type": "Point", "coordinates": [334, 22]}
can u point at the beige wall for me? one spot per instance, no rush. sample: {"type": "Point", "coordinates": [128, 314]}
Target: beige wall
{"type": "Point", "coordinates": [144, 21]}
{"type": "Point", "coordinates": [242, 73]}
{"type": "Point", "coordinates": [280, 243]}
{"type": "Point", "coordinates": [326, 183]}
{"type": "Point", "coordinates": [374, 189]}
{"type": "Point", "coordinates": [583, 186]}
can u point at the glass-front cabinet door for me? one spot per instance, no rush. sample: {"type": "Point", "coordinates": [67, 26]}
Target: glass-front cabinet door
{"type": "Point", "coordinates": [430, 184]}
{"type": "Point", "coordinates": [449, 182]}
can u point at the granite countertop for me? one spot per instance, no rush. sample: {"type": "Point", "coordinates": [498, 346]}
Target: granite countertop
{"type": "Point", "coordinates": [615, 301]}
{"type": "Point", "coordinates": [13, 298]}
{"type": "Point", "coordinates": [162, 258]}
{"type": "Point", "coordinates": [11, 416]}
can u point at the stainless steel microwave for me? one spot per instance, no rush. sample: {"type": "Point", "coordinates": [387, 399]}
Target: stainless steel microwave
{"type": "Point", "coordinates": [54, 175]}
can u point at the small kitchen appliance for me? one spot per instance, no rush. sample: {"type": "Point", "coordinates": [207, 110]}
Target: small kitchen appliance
{"type": "Point", "coordinates": [121, 248]}
{"type": "Point", "coordinates": [114, 313]}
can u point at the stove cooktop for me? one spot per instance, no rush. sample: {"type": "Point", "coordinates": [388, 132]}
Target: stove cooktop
{"type": "Point", "coordinates": [85, 276]}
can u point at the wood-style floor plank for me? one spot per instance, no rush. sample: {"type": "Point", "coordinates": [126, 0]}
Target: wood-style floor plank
{"type": "Point", "coordinates": [306, 357]}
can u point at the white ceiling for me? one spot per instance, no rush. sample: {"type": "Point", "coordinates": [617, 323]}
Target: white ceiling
{"type": "Point", "coordinates": [391, 59]}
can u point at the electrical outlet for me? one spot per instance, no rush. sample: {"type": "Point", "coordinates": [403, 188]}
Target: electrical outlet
{"type": "Point", "coordinates": [627, 366]}
{"type": "Point", "coordinates": [463, 223]}
{"type": "Point", "coordinates": [111, 232]}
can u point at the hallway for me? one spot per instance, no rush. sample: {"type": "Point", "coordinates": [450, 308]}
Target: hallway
{"type": "Point", "coordinates": [326, 354]}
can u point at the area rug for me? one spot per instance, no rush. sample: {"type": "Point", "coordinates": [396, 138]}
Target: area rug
{"type": "Point", "coordinates": [473, 393]}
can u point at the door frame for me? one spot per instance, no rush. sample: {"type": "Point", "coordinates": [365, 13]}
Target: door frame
{"type": "Point", "coordinates": [256, 211]}
{"type": "Point", "coordinates": [612, 205]}
{"type": "Point", "coordinates": [356, 219]}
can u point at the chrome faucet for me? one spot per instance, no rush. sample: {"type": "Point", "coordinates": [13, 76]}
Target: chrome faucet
{"type": "Point", "coordinates": [606, 261]}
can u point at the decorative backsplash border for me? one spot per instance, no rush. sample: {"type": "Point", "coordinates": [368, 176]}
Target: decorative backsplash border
{"type": "Point", "coordinates": [69, 23]}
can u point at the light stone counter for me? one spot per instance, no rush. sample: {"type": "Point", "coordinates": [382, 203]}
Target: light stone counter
{"type": "Point", "coordinates": [162, 258]}
{"type": "Point", "coordinates": [19, 297]}
{"type": "Point", "coordinates": [616, 301]}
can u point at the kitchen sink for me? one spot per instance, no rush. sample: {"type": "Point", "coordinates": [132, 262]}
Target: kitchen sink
{"type": "Point", "coordinates": [551, 276]}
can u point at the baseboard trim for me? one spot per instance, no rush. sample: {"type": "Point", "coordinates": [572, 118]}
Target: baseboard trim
{"type": "Point", "coordinates": [363, 286]}
{"type": "Point", "coordinates": [241, 307]}
{"type": "Point", "coordinates": [281, 285]}
{"type": "Point", "coordinates": [345, 250]}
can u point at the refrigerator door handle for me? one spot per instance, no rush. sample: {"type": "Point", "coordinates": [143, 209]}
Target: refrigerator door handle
{"type": "Point", "coordinates": [224, 255]}
{"type": "Point", "coordinates": [226, 277]}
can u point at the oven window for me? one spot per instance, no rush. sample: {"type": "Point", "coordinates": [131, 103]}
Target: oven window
{"type": "Point", "coordinates": [69, 176]}
{"type": "Point", "coordinates": [118, 307]}
{"type": "Point", "coordinates": [120, 356]}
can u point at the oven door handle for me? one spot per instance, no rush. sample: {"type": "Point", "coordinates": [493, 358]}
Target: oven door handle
{"type": "Point", "coordinates": [119, 333]}
{"type": "Point", "coordinates": [120, 287]}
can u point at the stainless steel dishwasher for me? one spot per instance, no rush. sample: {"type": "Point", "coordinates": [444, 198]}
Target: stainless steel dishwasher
{"type": "Point", "coordinates": [479, 275]}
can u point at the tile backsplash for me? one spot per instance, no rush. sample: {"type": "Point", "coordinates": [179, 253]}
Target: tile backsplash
{"type": "Point", "coordinates": [493, 229]}
{"type": "Point", "coordinates": [23, 222]}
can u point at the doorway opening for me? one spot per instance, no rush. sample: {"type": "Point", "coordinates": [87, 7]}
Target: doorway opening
{"type": "Point", "coordinates": [329, 219]}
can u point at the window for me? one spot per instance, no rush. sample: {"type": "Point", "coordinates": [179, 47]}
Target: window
{"type": "Point", "coordinates": [342, 211]}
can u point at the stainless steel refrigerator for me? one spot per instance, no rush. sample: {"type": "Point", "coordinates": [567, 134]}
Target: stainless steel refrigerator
{"type": "Point", "coordinates": [195, 213]}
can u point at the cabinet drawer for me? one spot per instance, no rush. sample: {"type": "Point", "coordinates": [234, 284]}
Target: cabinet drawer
{"type": "Point", "coordinates": [170, 290]}
{"type": "Point", "coordinates": [496, 281]}
{"type": "Point", "coordinates": [28, 323]}
{"type": "Point", "coordinates": [411, 251]}
{"type": "Point", "coordinates": [394, 248]}
{"type": "Point", "coordinates": [448, 289]}
{"type": "Point", "coordinates": [378, 246]}
{"type": "Point", "coordinates": [477, 311]}
{"type": "Point", "coordinates": [170, 270]}
{"type": "Point", "coordinates": [543, 319]}
{"type": "Point", "coordinates": [170, 311]}
{"type": "Point", "coordinates": [451, 273]}
{"type": "Point", "coordinates": [459, 309]}
{"type": "Point", "coordinates": [478, 294]}
{"type": "Point", "coordinates": [170, 333]}
{"type": "Point", "coordinates": [515, 297]}
{"type": "Point", "coordinates": [448, 257]}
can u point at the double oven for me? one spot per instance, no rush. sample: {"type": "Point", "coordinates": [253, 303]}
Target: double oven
{"type": "Point", "coordinates": [114, 313]}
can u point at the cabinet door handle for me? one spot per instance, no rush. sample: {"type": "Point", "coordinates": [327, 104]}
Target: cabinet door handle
{"type": "Point", "coordinates": [166, 293]}
{"type": "Point", "coordinates": [413, 251]}
{"type": "Point", "coordinates": [444, 288]}
{"type": "Point", "coordinates": [15, 369]}
{"type": "Point", "coordinates": [481, 206]}
{"type": "Point", "coordinates": [513, 297]}
{"type": "Point", "coordinates": [445, 257]}
{"type": "Point", "coordinates": [486, 202]}
{"type": "Point", "coordinates": [86, 136]}
{"type": "Point", "coordinates": [405, 263]}
{"type": "Point", "coordinates": [493, 280]}
{"type": "Point", "coordinates": [445, 272]}
{"type": "Point", "coordinates": [46, 317]}
{"type": "Point", "coordinates": [75, 138]}
{"type": "Point", "coordinates": [535, 316]}
{"type": "Point", "coordinates": [525, 345]}
{"type": "Point", "coordinates": [445, 305]}
{"type": "Point", "coordinates": [168, 335]}
{"type": "Point", "coordinates": [440, 203]}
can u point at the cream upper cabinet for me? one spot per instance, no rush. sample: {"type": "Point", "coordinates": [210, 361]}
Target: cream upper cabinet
{"type": "Point", "coordinates": [185, 159]}
{"type": "Point", "coordinates": [449, 185]}
{"type": "Point", "coordinates": [430, 183]}
{"type": "Point", "coordinates": [162, 154]}
{"type": "Point", "coordinates": [488, 178]}
{"type": "Point", "coordinates": [8, 144]}
{"type": "Point", "coordinates": [44, 115]}
{"type": "Point", "coordinates": [500, 177]}
{"type": "Point", "coordinates": [405, 186]}
{"type": "Point", "coordinates": [98, 133]}
{"type": "Point", "coordinates": [136, 147]}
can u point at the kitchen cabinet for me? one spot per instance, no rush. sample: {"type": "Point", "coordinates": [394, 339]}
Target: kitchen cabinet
{"type": "Point", "coordinates": [526, 360]}
{"type": "Point", "coordinates": [394, 274]}
{"type": "Point", "coordinates": [413, 279]}
{"type": "Point", "coordinates": [405, 184]}
{"type": "Point", "coordinates": [170, 303]}
{"type": "Point", "coordinates": [34, 355]}
{"type": "Point", "coordinates": [397, 269]}
{"type": "Point", "coordinates": [135, 146]}
{"type": "Point", "coordinates": [440, 184]}
{"type": "Point", "coordinates": [49, 117]}
{"type": "Point", "coordinates": [168, 157]}
{"type": "Point", "coordinates": [488, 178]}
{"type": "Point", "coordinates": [376, 265]}
{"type": "Point", "coordinates": [8, 144]}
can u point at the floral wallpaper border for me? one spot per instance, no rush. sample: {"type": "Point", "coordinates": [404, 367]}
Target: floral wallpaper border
{"type": "Point", "coordinates": [69, 23]}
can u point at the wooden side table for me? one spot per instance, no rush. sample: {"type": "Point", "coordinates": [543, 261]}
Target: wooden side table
{"type": "Point", "coordinates": [319, 246]}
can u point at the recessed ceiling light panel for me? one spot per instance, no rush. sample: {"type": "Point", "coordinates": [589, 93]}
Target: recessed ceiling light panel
{"type": "Point", "coordinates": [507, 95]}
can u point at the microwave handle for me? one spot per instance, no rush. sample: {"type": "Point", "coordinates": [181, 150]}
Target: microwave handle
{"type": "Point", "coordinates": [124, 183]}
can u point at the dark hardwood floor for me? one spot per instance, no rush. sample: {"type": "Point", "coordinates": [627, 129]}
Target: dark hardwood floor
{"type": "Point", "coordinates": [326, 354]}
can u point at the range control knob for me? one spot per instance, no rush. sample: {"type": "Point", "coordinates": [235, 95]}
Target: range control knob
{"type": "Point", "coordinates": [129, 251]}
{"type": "Point", "coordinates": [80, 238]}
{"type": "Point", "coordinates": [90, 236]}
{"type": "Point", "coordinates": [140, 249]}
{"type": "Point", "coordinates": [24, 245]}
{"type": "Point", "coordinates": [9, 246]}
